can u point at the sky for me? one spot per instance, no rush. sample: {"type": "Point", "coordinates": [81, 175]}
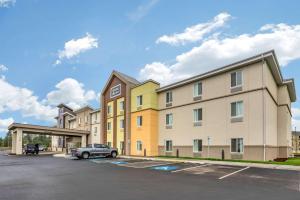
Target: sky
{"type": "Point", "coordinates": [59, 51]}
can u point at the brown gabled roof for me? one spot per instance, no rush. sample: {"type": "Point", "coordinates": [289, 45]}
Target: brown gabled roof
{"type": "Point", "coordinates": [128, 78]}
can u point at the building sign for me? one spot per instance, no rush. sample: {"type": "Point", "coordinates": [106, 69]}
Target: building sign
{"type": "Point", "coordinates": [115, 91]}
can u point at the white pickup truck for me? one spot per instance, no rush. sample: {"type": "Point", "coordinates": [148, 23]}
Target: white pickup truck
{"type": "Point", "coordinates": [95, 150]}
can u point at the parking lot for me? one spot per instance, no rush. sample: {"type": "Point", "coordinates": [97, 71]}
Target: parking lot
{"type": "Point", "coordinates": [45, 177]}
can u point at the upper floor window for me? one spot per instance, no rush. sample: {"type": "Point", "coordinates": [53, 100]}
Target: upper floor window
{"type": "Point", "coordinates": [139, 100]}
{"type": "Point", "coordinates": [237, 109]}
{"type": "Point", "coordinates": [197, 89]}
{"type": "Point", "coordinates": [95, 116]}
{"type": "Point", "coordinates": [121, 105]}
{"type": "Point", "coordinates": [236, 79]}
{"type": "Point", "coordinates": [86, 119]}
{"type": "Point", "coordinates": [198, 115]}
{"type": "Point", "coordinates": [79, 120]}
{"type": "Point", "coordinates": [122, 124]}
{"type": "Point", "coordinates": [95, 129]}
{"type": "Point", "coordinates": [169, 119]}
{"type": "Point", "coordinates": [169, 97]}
{"type": "Point", "coordinates": [108, 126]}
{"type": "Point", "coordinates": [139, 121]}
{"type": "Point", "coordinates": [109, 109]}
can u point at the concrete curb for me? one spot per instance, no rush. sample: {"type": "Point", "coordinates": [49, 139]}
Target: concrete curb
{"type": "Point", "coordinates": [257, 165]}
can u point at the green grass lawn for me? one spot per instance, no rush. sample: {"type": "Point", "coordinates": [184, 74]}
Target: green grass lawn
{"type": "Point", "coordinates": [290, 161]}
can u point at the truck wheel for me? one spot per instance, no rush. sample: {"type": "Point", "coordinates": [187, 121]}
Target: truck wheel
{"type": "Point", "coordinates": [114, 154]}
{"type": "Point", "coordinates": [85, 155]}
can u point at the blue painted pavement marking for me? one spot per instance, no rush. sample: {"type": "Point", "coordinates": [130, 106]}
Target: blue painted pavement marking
{"type": "Point", "coordinates": [165, 168]}
{"type": "Point", "coordinates": [119, 162]}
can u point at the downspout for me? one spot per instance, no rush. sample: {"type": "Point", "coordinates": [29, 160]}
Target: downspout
{"type": "Point", "coordinates": [264, 110]}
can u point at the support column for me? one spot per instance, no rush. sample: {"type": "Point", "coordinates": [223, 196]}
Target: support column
{"type": "Point", "coordinates": [83, 141]}
{"type": "Point", "coordinates": [13, 142]}
{"type": "Point", "coordinates": [19, 141]}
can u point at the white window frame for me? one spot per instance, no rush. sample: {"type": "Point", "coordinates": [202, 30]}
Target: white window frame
{"type": "Point", "coordinates": [237, 108]}
{"type": "Point", "coordinates": [109, 127]}
{"type": "Point", "coordinates": [109, 109]}
{"type": "Point", "coordinates": [95, 129]}
{"type": "Point", "coordinates": [79, 120]}
{"type": "Point", "coordinates": [194, 89]}
{"type": "Point", "coordinates": [171, 97]}
{"type": "Point", "coordinates": [166, 146]}
{"type": "Point", "coordinates": [233, 152]}
{"type": "Point", "coordinates": [195, 150]}
{"type": "Point", "coordinates": [194, 111]}
{"type": "Point", "coordinates": [121, 105]}
{"type": "Point", "coordinates": [139, 145]}
{"type": "Point", "coordinates": [139, 121]}
{"type": "Point", "coordinates": [236, 85]}
{"type": "Point", "coordinates": [172, 121]}
{"type": "Point", "coordinates": [139, 100]}
{"type": "Point", "coordinates": [121, 123]}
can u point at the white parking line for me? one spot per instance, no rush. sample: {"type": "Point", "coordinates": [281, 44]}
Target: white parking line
{"type": "Point", "coordinates": [234, 172]}
{"type": "Point", "coordinates": [145, 166]}
{"type": "Point", "coordinates": [179, 170]}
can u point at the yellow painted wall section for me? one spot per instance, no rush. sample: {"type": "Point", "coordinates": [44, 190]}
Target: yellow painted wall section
{"type": "Point", "coordinates": [111, 104]}
{"type": "Point", "coordinates": [110, 132]}
{"type": "Point", "coordinates": [147, 133]}
{"type": "Point", "coordinates": [118, 106]}
{"type": "Point", "coordinates": [149, 96]}
{"type": "Point", "coordinates": [120, 134]}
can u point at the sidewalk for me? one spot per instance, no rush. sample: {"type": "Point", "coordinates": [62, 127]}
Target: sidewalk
{"type": "Point", "coordinates": [242, 164]}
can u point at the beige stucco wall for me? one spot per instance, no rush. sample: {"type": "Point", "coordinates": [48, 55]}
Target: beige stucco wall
{"type": "Point", "coordinates": [83, 125]}
{"type": "Point", "coordinates": [94, 137]}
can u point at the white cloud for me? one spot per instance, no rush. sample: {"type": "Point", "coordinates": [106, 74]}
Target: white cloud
{"type": "Point", "coordinates": [142, 10]}
{"type": "Point", "coordinates": [3, 68]}
{"type": "Point", "coordinates": [23, 100]}
{"type": "Point", "coordinates": [295, 124]}
{"type": "Point", "coordinates": [7, 3]}
{"type": "Point", "coordinates": [76, 46]}
{"type": "Point", "coordinates": [296, 112]}
{"type": "Point", "coordinates": [71, 92]}
{"type": "Point", "coordinates": [4, 123]}
{"type": "Point", "coordinates": [219, 51]}
{"type": "Point", "coordinates": [197, 32]}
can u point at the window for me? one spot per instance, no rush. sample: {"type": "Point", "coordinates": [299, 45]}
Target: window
{"type": "Point", "coordinates": [236, 79]}
{"type": "Point", "coordinates": [169, 119]}
{"type": "Point", "coordinates": [121, 105]}
{"type": "Point", "coordinates": [109, 144]}
{"type": "Point", "coordinates": [79, 120]}
{"type": "Point", "coordinates": [237, 145]}
{"type": "Point", "coordinates": [108, 126]}
{"type": "Point", "coordinates": [169, 97]}
{"type": "Point", "coordinates": [197, 89]}
{"type": "Point", "coordinates": [237, 109]}
{"type": "Point", "coordinates": [139, 121]}
{"type": "Point", "coordinates": [139, 100]}
{"type": "Point", "coordinates": [197, 145]}
{"type": "Point", "coordinates": [169, 145]}
{"type": "Point", "coordinates": [86, 119]}
{"type": "Point", "coordinates": [109, 109]}
{"type": "Point", "coordinates": [95, 129]}
{"type": "Point", "coordinates": [139, 146]}
{"type": "Point", "coordinates": [198, 115]}
{"type": "Point", "coordinates": [122, 124]}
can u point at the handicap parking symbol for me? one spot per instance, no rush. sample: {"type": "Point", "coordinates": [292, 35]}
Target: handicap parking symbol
{"type": "Point", "coordinates": [165, 168]}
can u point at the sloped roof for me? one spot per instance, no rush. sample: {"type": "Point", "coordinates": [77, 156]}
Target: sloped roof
{"type": "Point", "coordinates": [128, 78]}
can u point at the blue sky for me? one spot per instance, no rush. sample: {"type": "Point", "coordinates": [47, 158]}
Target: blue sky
{"type": "Point", "coordinates": [55, 50]}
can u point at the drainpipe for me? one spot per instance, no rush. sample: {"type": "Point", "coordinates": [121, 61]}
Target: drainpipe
{"type": "Point", "coordinates": [264, 109]}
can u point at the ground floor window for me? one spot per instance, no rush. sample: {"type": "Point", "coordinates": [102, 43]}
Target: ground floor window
{"type": "Point", "coordinates": [237, 145]}
{"type": "Point", "coordinates": [169, 145]}
{"type": "Point", "coordinates": [139, 146]}
{"type": "Point", "coordinates": [109, 144]}
{"type": "Point", "coordinates": [197, 146]}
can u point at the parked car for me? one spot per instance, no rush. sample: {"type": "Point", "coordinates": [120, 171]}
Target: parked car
{"type": "Point", "coordinates": [95, 150]}
{"type": "Point", "coordinates": [42, 148]}
{"type": "Point", "coordinates": [30, 149]}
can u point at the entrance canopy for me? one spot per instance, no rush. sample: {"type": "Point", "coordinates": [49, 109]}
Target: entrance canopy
{"type": "Point", "coordinates": [46, 130]}
{"type": "Point", "coordinates": [17, 131]}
